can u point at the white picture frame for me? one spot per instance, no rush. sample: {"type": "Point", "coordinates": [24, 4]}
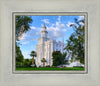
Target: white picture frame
{"type": "Point", "coordinates": [8, 78]}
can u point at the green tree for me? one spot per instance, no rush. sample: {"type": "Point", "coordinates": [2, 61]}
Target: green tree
{"type": "Point", "coordinates": [58, 58]}
{"type": "Point", "coordinates": [22, 26]}
{"type": "Point", "coordinates": [63, 61]}
{"type": "Point", "coordinates": [33, 54]}
{"type": "Point", "coordinates": [27, 62]}
{"type": "Point", "coordinates": [19, 57]}
{"type": "Point", "coordinates": [43, 60]}
{"type": "Point", "coordinates": [75, 44]}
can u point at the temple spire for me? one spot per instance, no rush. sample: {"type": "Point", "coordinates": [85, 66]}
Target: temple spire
{"type": "Point", "coordinates": [44, 31]}
{"type": "Point", "coordinates": [44, 27]}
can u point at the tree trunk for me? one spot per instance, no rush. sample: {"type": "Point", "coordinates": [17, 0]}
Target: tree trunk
{"type": "Point", "coordinates": [43, 64]}
{"type": "Point", "coordinates": [33, 61]}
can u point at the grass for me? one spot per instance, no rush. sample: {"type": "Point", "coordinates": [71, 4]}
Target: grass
{"type": "Point", "coordinates": [52, 68]}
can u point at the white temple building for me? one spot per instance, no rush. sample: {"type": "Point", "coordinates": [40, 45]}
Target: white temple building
{"type": "Point", "coordinates": [45, 47]}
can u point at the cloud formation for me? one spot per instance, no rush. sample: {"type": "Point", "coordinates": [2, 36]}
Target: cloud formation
{"type": "Point", "coordinates": [46, 21]}
{"type": "Point", "coordinates": [25, 42]}
{"type": "Point", "coordinates": [22, 37]}
{"type": "Point", "coordinates": [55, 30]}
{"type": "Point", "coordinates": [81, 18]}
{"type": "Point", "coordinates": [69, 23]}
{"type": "Point", "coordinates": [32, 27]}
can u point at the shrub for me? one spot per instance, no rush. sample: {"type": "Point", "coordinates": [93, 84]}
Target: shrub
{"type": "Point", "coordinates": [39, 66]}
{"type": "Point", "coordinates": [48, 66]}
{"type": "Point", "coordinates": [64, 66]}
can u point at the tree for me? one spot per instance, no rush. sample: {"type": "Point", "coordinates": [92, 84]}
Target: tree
{"type": "Point", "coordinates": [75, 44]}
{"type": "Point", "coordinates": [33, 54]}
{"type": "Point", "coordinates": [58, 58]}
{"type": "Point", "coordinates": [43, 60]}
{"type": "Point", "coordinates": [19, 56]}
{"type": "Point", "coordinates": [22, 26]}
{"type": "Point", "coordinates": [63, 61]}
{"type": "Point", "coordinates": [27, 62]}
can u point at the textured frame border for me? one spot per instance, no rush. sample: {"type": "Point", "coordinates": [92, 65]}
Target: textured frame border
{"type": "Point", "coordinates": [7, 78]}
{"type": "Point", "coordinates": [85, 14]}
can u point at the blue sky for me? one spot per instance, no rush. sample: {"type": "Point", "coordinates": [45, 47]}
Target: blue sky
{"type": "Point", "coordinates": [57, 27]}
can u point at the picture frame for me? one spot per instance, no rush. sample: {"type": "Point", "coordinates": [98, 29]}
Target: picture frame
{"type": "Point", "coordinates": [14, 14]}
{"type": "Point", "coordinates": [6, 44]}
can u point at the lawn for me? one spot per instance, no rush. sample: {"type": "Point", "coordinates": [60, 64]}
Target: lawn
{"type": "Point", "coordinates": [52, 68]}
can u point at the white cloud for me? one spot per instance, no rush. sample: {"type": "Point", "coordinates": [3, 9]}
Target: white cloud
{"type": "Point", "coordinates": [27, 54]}
{"type": "Point", "coordinates": [32, 27]}
{"type": "Point", "coordinates": [69, 23]}
{"type": "Point", "coordinates": [22, 37]}
{"type": "Point", "coordinates": [34, 39]}
{"type": "Point", "coordinates": [62, 26]}
{"type": "Point", "coordinates": [52, 29]}
{"type": "Point", "coordinates": [59, 19]}
{"type": "Point", "coordinates": [81, 23]}
{"type": "Point", "coordinates": [81, 18]}
{"type": "Point", "coordinates": [46, 21]}
{"type": "Point", "coordinates": [64, 29]}
{"type": "Point", "coordinates": [52, 25]}
{"type": "Point", "coordinates": [57, 24]}
{"type": "Point", "coordinates": [37, 33]}
{"type": "Point", "coordinates": [56, 30]}
{"type": "Point", "coordinates": [26, 42]}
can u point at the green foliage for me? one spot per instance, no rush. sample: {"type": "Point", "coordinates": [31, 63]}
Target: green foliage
{"type": "Point", "coordinates": [19, 64]}
{"type": "Point", "coordinates": [43, 60]}
{"type": "Point", "coordinates": [19, 56]}
{"type": "Point", "coordinates": [33, 53]}
{"type": "Point", "coordinates": [58, 58]}
{"type": "Point", "coordinates": [75, 44]}
{"type": "Point", "coordinates": [48, 66]}
{"type": "Point", "coordinates": [63, 61]}
{"type": "Point", "coordinates": [27, 62]}
{"type": "Point", "coordinates": [22, 25]}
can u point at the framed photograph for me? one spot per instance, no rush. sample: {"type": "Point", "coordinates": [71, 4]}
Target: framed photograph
{"type": "Point", "coordinates": [49, 43]}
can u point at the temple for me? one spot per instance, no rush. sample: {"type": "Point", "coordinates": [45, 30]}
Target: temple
{"type": "Point", "coordinates": [45, 47]}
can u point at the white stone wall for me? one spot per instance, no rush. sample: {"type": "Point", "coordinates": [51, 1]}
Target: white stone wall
{"type": "Point", "coordinates": [43, 34]}
{"type": "Point", "coordinates": [45, 48]}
